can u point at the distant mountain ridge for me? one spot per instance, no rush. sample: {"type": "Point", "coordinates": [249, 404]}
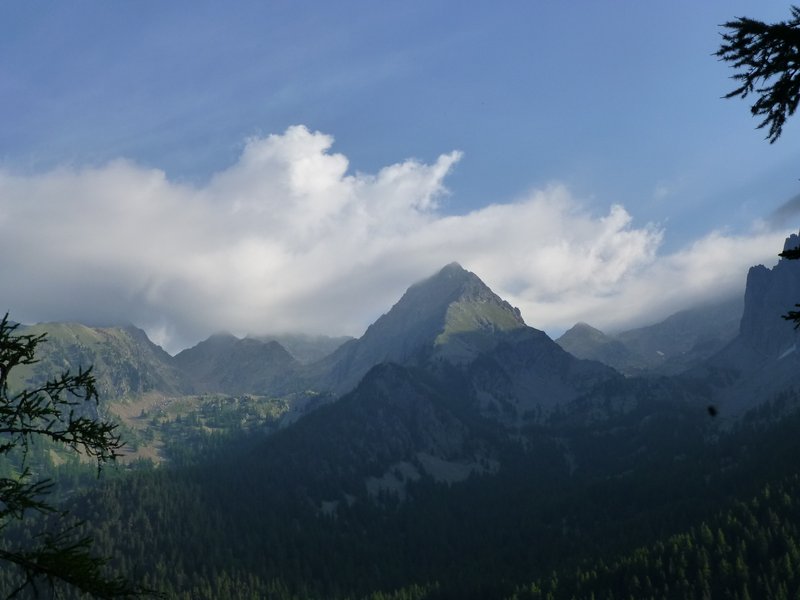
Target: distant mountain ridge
{"type": "Point", "coordinates": [737, 363]}
{"type": "Point", "coordinates": [304, 348]}
{"type": "Point", "coordinates": [668, 347]}
{"type": "Point", "coordinates": [225, 363]}
{"type": "Point", "coordinates": [451, 323]}
{"type": "Point", "coordinates": [125, 362]}
{"type": "Point", "coordinates": [585, 341]}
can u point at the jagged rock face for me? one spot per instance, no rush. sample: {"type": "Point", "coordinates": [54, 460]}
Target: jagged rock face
{"type": "Point", "coordinates": [771, 293]}
{"type": "Point", "coordinates": [452, 313]}
{"type": "Point", "coordinates": [762, 362]}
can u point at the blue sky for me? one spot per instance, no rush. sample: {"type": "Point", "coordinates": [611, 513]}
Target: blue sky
{"type": "Point", "coordinates": [557, 113]}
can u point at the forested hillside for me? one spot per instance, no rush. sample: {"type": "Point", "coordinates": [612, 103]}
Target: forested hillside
{"type": "Point", "coordinates": [751, 550]}
{"type": "Point", "coordinates": [270, 525]}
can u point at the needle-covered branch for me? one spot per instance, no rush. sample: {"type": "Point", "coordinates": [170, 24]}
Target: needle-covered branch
{"type": "Point", "coordinates": [49, 411]}
{"type": "Point", "coordinates": [767, 62]}
{"type": "Point", "coordinates": [67, 557]}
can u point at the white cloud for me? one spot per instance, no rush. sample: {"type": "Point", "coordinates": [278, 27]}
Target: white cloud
{"type": "Point", "coordinates": [712, 268]}
{"type": "Point", "coordinates": [286, 239]}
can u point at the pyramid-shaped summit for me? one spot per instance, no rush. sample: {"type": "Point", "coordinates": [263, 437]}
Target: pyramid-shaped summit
{"type": "Point", "coordinates": [453, 301]}
{"type": "Point", "coordinates": [453, 309]}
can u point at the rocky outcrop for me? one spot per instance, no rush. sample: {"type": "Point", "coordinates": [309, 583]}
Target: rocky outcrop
{"type": "Point", "coordinates": [771, 293]}
{"type": "Point", "coordinates": [762, 362]}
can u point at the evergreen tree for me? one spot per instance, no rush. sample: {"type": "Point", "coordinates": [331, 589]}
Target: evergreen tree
{"type": "Point", "coordinates": [52, 411]}
{"type": "Point", "coordinates": [767, 57]}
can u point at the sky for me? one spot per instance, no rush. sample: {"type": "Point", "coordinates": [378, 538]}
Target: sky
{"type": "Point", "coordinates": [266, 167]}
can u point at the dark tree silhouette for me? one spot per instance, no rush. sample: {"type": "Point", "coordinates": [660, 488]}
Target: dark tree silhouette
{"type": "Point", "coordinates": [49, 412]}
{"type": "Point", "coordinates": [767, 59]}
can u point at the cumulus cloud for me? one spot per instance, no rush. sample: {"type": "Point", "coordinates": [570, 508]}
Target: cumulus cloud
{"type": "Point", "coordinates": [287, 239]}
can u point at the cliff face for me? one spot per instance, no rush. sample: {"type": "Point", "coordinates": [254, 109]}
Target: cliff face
{"type": "Point", "coordinates": [771, 293]}
{"type": "Point", "coordinates": [763, 361]}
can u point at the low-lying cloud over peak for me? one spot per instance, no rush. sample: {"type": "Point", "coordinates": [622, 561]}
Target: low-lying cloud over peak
{"type": "Point", "coordinates": [288, 240]}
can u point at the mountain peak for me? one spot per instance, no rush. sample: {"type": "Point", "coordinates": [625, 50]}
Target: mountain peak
{"type": "Point", "coordinates": [584, 326]}
{"type": "Point", "coordinates": [452, 312]}
{"type": "Point", "coordinates": [579, 334]}
{"type": "Point", "coordinates": [445, 279]}
{"type": "Point", "coordinates": [454, 268]}
{"type": "Point", "coordinates": [226, 362]}
{"type": "Point", "coordinates": [589, 343]}
{"type": "Point", "coordinates": [454, 301]}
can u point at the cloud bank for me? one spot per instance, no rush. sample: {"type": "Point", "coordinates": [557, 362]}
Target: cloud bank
{"type": "Point", "coordinates": [287, 239]}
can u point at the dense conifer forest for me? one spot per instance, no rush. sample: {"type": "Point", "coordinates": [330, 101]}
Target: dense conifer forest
{"type": "Point", "coordinates": [229, 522]}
